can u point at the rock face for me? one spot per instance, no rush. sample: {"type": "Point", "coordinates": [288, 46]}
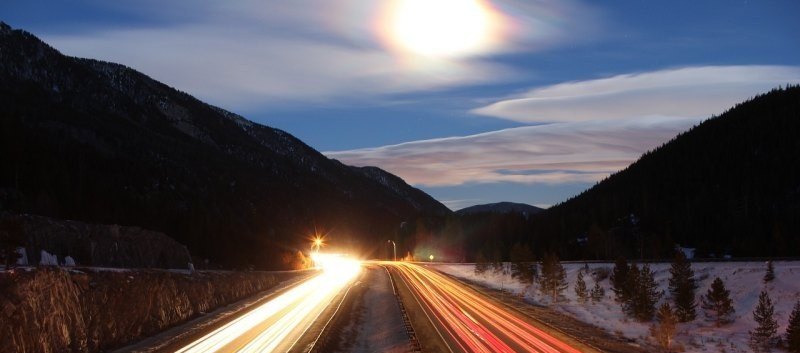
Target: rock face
{"type": "Point", "coordinates": [51, 310]}
{"type": "Point", "coordinates": [100, 245]}
{"type": "Point", "coordinates": [99, 142]}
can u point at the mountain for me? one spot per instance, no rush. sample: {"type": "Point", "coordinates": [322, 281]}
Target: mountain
{"type": "Point", "coordinates": [99, 142]}
{"type": "Point", "coordinates": [500, 207]}
{"type": "Point", "coordinates": [728, 186]}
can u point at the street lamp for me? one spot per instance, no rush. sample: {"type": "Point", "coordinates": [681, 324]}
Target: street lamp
{"type": "Point", "coordinates": [394, 249]}
{"type": "Point", "coordinates": [431, 257]}
{"type": "Point", "coordinates": [317, 243]}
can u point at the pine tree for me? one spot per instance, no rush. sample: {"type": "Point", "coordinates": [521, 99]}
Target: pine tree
{"type": "Point", "coordinates": [481, 263]}
{"type": "Point", "coordinates": [770, 274]}
{"type": "Point", "coordinates": [553, 278]}
{"type": "Point", "coordinates": [629, 290]}
{"type": "Point", "coordinates": [520, 257]}
{"type": "Point", "coordinates": [580, 288]}
{"type": "Point", "coordinates": [765, 334]}
{"type": "Point", "coordinates": [717, 303]}
{"type": "Point", "coordinates": [682, 286]}
{"type": "Point", "coordinates": [793, 330]}
{"type": "Point", "coordinates": [645, 294]}
{"type": "Point", "coordinates": [619, 279]}
{"type": "Point", "coordinates": [665, 329]}
{"type": "Point", "coordinates": [497, 261]}
{"type": "Point", "coordinates": [597, 292]}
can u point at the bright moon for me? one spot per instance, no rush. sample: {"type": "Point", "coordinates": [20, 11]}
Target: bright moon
{"type": "Point", "coordinates": [440, 28]}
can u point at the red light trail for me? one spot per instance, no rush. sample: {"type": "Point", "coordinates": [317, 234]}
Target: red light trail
{"type": "Point", "coordinates": [472, 322]}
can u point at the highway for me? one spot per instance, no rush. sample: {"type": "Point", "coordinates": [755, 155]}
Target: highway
{"type": "Point", "coordinates": [469, 322]}
{"type": "Point", "coordinates": [277, 325]}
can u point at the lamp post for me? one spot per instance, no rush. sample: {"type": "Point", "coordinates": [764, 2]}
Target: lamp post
{"type": "Point", "coordinates": [394, 248]}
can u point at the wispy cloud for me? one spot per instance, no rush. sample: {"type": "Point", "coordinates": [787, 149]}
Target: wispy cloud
{"type": "Point", "coordinates": [684, 92]}
{"type": "Point", "coordinates": [258, 69]}
{"type": "Point", "coordinates": [254, 53]}
{"type": "Point", "coordinates": [549, 154]}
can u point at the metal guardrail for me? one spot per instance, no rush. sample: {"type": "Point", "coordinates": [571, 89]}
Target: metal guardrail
{"type": "Point", "coordinates": [412, 335]}
{"type": "Point", "coordinates": [324, 335]}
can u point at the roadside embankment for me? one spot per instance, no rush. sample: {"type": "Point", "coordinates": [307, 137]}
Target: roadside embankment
{"type": "Point", "coordinates": [55, 310]}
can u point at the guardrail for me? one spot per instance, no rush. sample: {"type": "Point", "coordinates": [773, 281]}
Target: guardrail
{"type": "Point", "coordinates": [412, 335]}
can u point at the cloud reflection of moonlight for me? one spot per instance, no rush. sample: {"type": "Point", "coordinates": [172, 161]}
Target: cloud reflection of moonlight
{"type": "Point", "coordinates": [440, 28]}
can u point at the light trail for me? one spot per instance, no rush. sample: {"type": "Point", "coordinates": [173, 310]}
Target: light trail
{"type": "Point", "coordinates": [473, 323]}
{"type": "Point", "coordinates": [279, 323]}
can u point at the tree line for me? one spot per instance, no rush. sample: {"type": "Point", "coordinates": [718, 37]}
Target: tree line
{"type": "Point", "coordinates": [635, 289]}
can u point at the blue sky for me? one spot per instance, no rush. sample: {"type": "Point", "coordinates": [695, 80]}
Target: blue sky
{"type": "Point", "coordinates": [555, 96]}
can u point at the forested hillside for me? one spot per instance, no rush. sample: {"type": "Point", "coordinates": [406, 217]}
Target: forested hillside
{"type": "Point", "coordinates": [99, 142]}
{"type": "Point", "coordinates": [730, 185]}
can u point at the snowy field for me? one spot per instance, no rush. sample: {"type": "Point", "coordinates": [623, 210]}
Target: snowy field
{"type": "Point", "coordinates": [743, 279]}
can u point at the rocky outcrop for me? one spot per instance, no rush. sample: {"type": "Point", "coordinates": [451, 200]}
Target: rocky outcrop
{"type": "Point", "coordinates": [99, 245]}
{"type": "Point", "coordinates": [49, 310]}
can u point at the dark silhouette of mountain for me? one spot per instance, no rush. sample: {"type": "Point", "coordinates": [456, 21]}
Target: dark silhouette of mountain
{"type": "Point", "coordinates": [99, 142]}
{"type": "Point", "coordinates": [728, 186]}
{"type": "Point", "coordinates": [500, 207]}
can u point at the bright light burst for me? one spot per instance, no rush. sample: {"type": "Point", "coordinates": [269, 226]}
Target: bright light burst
{"type": "Point", "coordinates": [440, 28]}
{"type": "Point", "coordinates": [338, 264]}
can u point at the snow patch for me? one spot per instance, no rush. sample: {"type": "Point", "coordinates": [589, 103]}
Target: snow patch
{"type": "Point", "coordinates": [48, 259]}
{"type": "Point", "coordinates": [23, 257]}
{"type": "Point", "coordinates": [743, 279]}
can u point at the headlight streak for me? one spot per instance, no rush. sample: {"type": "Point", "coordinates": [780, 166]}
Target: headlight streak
{"type": "Point", "coordinates": [278, 321]}
{"type": "Point", "coordinates": [474, 323]}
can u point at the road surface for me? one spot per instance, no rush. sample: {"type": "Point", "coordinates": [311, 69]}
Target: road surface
{"type": "Point", "coordinates": [278, 325]}
{"type": "Point", "coordinates": [469, 322]}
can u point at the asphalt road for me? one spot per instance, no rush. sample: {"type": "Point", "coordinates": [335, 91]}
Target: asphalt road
{"type": "Point", "coordinates": [467, 321]}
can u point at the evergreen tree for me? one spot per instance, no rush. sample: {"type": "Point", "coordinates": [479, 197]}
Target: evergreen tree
{"type": "Point", "coordinates": [580, 288]}
{"type": "Point", "coordinates": [645, 294]}
{"type": "Point", "coordinates": [770, 274]}
{"type": "Point", "coordinates": [793, 330]}
{"type": "Point", "coordinates": [521, 256]}
{"type": "Point", "coordinates": [682, 286]}
{"type": "Point", "coordinates": [597, 292]}
{"type": "Point", "coordinates": [664, 330]}
{"type": "Point", "coordinates": [717, 303]}
{"type": "Point", "coordinates": [765, 334]}
{"type": "Point", "coordinates": [619, 279]}
{"type": "Point", "coordinates": [497, 261]}
{"type": "Point", "coordinates": [553, 278]}
{"type": "Point", "coordinates": [481, 263]}
{"type": "Point", "coordinates": [629, 290]}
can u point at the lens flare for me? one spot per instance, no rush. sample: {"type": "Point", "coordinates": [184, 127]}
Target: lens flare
{"type": "Point", "coordinates": [339, 266]}
{"type": "Point", "coordinates": [440, 28]}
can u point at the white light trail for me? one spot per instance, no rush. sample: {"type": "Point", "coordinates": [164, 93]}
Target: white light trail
{"type": "Point", "coordinates": [282, 318]}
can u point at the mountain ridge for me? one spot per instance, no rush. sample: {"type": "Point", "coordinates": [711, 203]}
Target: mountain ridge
{"type": "Point", "coordinates": [101, 142]}
{"type": "Point", "coordinates": [501, 207]}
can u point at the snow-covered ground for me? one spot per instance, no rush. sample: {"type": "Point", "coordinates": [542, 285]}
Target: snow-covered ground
{"type": "Point", "coordinates": [743, 279]}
